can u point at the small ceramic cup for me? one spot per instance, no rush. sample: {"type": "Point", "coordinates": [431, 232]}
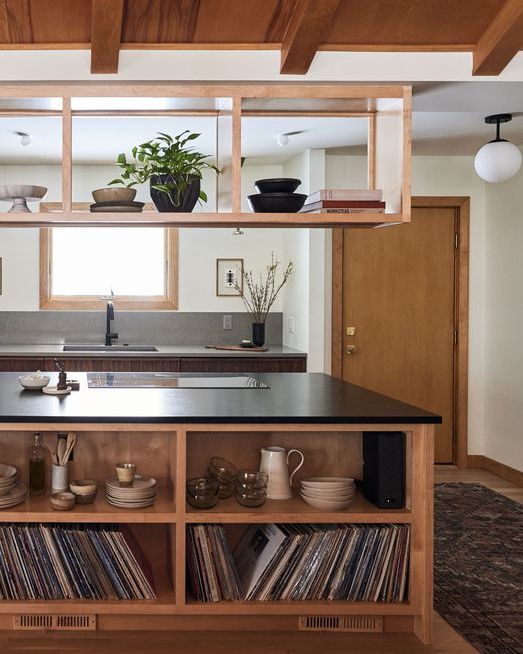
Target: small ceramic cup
{"type": "Point", "coordinates": [125, 473]}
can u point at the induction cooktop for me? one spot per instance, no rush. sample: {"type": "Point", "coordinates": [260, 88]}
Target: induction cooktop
{"type": "Point", "coordinates": [171, 380]}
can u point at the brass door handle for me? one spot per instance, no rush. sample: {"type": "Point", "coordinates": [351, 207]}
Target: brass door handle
{"type": "Point", "coordinates": [352, 349]}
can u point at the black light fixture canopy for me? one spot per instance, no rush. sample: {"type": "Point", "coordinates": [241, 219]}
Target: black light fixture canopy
{"type": "Point", "coordinates": [497, 119]}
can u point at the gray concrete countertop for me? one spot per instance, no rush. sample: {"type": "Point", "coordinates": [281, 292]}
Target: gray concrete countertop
{"type": "Point", "coordinates": [52, 350]}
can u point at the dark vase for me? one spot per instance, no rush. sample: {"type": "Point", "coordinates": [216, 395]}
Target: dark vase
{"type": "Point", "coordinates": [258, 334]}
{"type": "Point", "coordinates": [166, 202]}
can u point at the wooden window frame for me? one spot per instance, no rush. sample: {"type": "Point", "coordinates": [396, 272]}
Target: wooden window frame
{"type": "Point", "coordinates": [167, 302]}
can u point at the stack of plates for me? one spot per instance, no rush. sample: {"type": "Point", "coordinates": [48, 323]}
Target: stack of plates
{"type": "Point", "coordinates": [12, 491]}
{"type": "Point", "coordinates": [141, 494]}
{"type": "Point", "coordinates": [328, 493]}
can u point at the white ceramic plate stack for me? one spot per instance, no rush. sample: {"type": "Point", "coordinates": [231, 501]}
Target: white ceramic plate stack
{"type": "Point", "coordinates": [328, 493]}
{"type": "Point", "coordinates": [12, 491]}
{"type": "Point", "coordinates": [138, 496]}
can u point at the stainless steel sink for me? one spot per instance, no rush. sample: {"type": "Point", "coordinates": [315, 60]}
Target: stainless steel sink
{"type": "Point", "coordinates": [110, 348]}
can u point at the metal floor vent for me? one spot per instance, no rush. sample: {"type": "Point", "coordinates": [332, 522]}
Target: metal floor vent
{"type": "Point", "coordinates": [32, 622]}
{"type": "Point", "coordinates": [347, 623]}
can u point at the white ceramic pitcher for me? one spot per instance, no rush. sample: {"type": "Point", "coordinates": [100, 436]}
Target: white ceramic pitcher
{"type": "Point", "coordinates": [275, 463]}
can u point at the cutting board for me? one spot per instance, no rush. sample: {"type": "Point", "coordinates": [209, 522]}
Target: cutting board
{"type": "Point", "coordinates": [237, 348]}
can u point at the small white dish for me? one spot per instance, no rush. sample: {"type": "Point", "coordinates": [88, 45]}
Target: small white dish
{"type": "Point", "coordinates": [52, 390]}
{"type": "Point", "coordinates": [328, 482]}
{"type": "Point", "coordinates": [34, 382]}
{"type": "Point", "coordinates": [326, 505]}
{"type": "Point", "coordinates": [337, 497]}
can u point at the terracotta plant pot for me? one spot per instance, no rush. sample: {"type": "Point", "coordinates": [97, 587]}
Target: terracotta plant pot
{"type": "Point", "coordinates": [172, 202]}
{"type": "Point", "coordinates": [116, 194]}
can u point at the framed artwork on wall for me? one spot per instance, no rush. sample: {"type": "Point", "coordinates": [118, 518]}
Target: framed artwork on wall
{"type": "Point", "coordinates": [229, 273]}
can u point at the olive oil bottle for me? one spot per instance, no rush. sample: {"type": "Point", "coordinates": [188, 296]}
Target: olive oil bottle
{"type": "Point", "coordinates": [37, 466]}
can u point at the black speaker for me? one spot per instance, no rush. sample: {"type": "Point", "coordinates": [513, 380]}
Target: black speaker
{"type": "Point", "coordinates": [384, 469]}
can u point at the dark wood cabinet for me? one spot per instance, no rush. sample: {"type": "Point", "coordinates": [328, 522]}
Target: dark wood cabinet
{"type": "Point", "coordinates": [158, 364]}
{"type": "Point", "coordinates": [116, 364]}
{"type": "Point", "coordinates": [21, 364]}
{"type": "Point", "coordinates": [244, 364]}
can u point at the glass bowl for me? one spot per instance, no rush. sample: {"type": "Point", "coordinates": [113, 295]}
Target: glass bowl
{"type": "Point", "coordinates": [202, 492]}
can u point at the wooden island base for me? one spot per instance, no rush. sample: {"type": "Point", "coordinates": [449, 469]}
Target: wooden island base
{"type": "Point", "coordinates": [174, 452]}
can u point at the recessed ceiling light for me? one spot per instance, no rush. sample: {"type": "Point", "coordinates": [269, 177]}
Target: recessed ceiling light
{"type": "Point", "coordinates": [25, 138]}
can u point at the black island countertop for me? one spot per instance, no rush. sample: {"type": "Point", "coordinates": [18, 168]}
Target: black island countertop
{"type": "Point", "coordinates": [290, 398]}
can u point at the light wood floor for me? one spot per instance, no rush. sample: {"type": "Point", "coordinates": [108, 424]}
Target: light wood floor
{"type": "Point", "coordinates": [446, 640]}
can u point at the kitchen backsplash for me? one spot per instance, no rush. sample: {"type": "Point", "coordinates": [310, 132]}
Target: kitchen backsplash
{"type": "Point", "coordinates": [135, 327]}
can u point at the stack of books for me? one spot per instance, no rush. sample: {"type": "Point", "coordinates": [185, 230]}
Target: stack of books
{"type": "Point", "coordinates": [210, 565]}
{"type": "Point", "coordinates": [54, 562]}
{"type": "Point", "coordinates": [364, 563]}
{"type": "Point", "coordinates": [345, 201]}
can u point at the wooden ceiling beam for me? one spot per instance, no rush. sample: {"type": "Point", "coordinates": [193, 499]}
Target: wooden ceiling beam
{"type": "Point", "coordinates": [307, 27]}
{"type": "Point", "coordinates": [4, 23]}
{"type": "Point", "coordinates": [106, 32]}
{"type": "Point", "coordinates": [501, 41]}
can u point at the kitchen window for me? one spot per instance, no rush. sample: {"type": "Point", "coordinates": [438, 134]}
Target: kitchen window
{"type": "Point", "coordinates": [81, 266]}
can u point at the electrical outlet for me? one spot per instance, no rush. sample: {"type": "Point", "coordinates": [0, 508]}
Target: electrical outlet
{"type": "Point", "coordinates": [291, 325]}
{"type": "Point", "coordinates": [227, 322]}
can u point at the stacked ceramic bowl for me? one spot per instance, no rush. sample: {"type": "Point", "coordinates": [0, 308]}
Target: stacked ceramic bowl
{"type": "Point", "coordinates": [141, 494]}
{"type": "Point", "coordinates": [12, 491]}
{"type": "Point", "coordinates": [277, 195]}
{"type": "Point", "coordinates": [328, 493]}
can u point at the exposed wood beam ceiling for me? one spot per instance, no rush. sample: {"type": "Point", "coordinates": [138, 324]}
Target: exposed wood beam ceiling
{"type": "Point", "coordinates": [106, 32]}
{"type": "Point", "coordinates": [501, 41]}
{"type": "Point", "coordinates": [305, 32]}
{"type": "Point", "coordinates": [490, 29]}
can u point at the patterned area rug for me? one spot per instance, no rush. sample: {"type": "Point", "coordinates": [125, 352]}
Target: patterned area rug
{"type": "Point", "coordinates": [479, 566]}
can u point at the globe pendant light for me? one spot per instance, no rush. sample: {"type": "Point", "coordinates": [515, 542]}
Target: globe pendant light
{"type": "Point", "coordinates": [498, 160]}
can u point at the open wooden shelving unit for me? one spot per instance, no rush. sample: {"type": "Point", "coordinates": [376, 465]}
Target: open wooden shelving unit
{"type": "Point", "coordinates": [333, 449]}
{"type": "Point", "coordinates": [387, 110]}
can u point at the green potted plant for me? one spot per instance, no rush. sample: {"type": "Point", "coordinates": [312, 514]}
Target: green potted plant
{"type": "Point", "coordinates": [173, 169]}
{"type": "Point", "coordinates": [260, 294]}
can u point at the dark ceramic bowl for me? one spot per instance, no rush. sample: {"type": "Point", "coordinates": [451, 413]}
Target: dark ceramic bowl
{"type": "Point", "coordinates": [276, 202]}
{"type": "Point", "coordinates": [277, 185]}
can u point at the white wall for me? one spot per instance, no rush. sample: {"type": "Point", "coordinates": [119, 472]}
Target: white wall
{"type": "Point", "coordinates": [199, 248]}
{"type": "Point", "coordinates": [307, 298]}
{"type": "Point", "coordinates": [503, 351]}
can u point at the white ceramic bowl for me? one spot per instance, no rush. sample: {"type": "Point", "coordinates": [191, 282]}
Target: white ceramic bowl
{"type": "Point", "coordinates": [330, 483]}
{"type": "Point", "coordinates": [7, 472]}
{"type": "Point", "coordinates": [326, 505]}
{"type": "Point", "coordinates": [34, 383]}
{"type": "Point", "coordinates": [341, 496]}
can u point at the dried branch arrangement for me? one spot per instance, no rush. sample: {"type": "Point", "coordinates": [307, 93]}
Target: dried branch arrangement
{"type": "Point", "coordinates": [259, 294]}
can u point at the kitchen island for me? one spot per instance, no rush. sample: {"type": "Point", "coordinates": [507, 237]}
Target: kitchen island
{"type": "Point", "coordinates": [171, 433]}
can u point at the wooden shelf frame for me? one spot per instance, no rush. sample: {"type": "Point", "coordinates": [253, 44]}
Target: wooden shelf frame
{"type": "Point", "coordinates": [387, 108]}
{"type": "Point", "coordinates": [172, 511]}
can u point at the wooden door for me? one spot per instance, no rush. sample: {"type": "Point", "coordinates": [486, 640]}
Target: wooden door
{"type": "Point", "coordinates": [399, 297]}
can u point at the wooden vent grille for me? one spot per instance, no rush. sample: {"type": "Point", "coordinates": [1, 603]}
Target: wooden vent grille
{"type": "Point", "coordinates": [32, 622]}
{"type": "Point", "coordinates": [347, 623]}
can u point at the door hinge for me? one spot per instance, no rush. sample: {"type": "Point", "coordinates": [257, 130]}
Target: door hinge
{"type": "Point", "coordinates": [456, 240]}
{"type": "Point", "coordinates": [455, 336]}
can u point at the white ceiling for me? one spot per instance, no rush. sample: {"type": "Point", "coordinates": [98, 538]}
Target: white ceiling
{"type": "Point", "coordinates": [448, 119]}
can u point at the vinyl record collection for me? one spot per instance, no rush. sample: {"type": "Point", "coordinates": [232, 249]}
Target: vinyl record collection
{"type": "Point", "coordinates": [69, 561]}
{"type": "Point", "coordinates": [365, 563]}
{"type": "Point", "coordinates": [210, 565]}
